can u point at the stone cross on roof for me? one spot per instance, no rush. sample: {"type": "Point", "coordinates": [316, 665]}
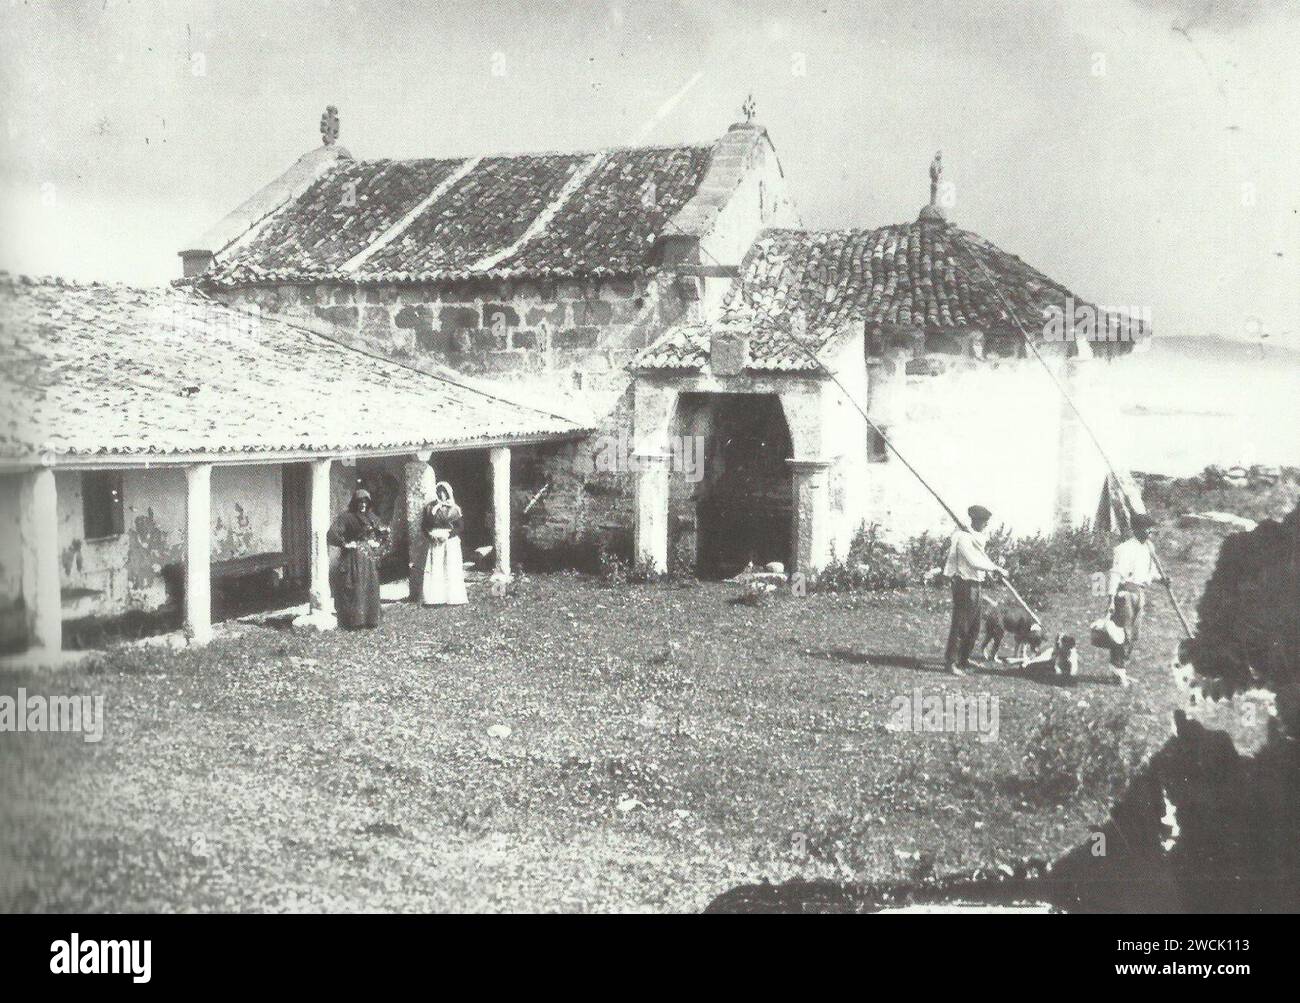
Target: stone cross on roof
{"type": "Point", "coordinates": [329, 126]}
{"type": "Point", "coordinates": [748, 109]}
{"type": "Point", "coordinates": [936, 169]}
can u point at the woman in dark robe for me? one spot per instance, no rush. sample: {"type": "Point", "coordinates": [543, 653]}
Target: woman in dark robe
{"type": "Point", "coordinates": [360, 533]}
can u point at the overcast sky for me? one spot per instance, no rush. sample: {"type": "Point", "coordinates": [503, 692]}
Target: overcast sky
{"type": "Point", "coordinates": [1142, 152]}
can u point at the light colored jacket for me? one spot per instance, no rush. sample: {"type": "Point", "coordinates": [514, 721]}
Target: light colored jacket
{"type": "Point", "coordinates": [966, 557]}
{"type": "Point", "coordinates": [1131, 562]}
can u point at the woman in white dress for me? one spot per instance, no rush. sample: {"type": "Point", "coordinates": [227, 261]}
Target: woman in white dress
{"type": "Point", "coordinates": [444, 572]}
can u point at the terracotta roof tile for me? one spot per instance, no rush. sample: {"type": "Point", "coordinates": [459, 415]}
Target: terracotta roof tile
{"type": "Point", "coordinates": [599, 223]}
{"type": "Point", "coordinates": [336, 218]}
{"type": "Point", "coordinates": [902, 276]}
{"type": "Point", "coordinates": [106, 369]}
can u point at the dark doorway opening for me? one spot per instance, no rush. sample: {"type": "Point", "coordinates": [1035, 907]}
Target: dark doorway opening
{"type": "Point", "coordinates": [470, 475]}
{"type": "Point", "coordinates": [295, 522]}
{"type": "Point", "coordinates": [745, 501]}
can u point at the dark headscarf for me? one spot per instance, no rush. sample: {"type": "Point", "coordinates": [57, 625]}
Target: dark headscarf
{"type": "Point", "coordinates": [358, 496]}
{"type": "Point", "coordinates": [358, 524]}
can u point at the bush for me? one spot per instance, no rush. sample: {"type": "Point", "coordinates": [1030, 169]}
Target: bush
{"type": "Point", "coordinates": [612, 569]}
{"type": "Point", "coordinates": [1171, 496]}
{"type": "Point", "coordinates": [1248, 632]}
{"type": "Point", "coordinates": [872, 565]}
{"type": "Point", "coordinates": [644, 571]}
{"type": "Point", "coordinates": [681, 561]}
{"type": "Point", "coordinates": [925, 553]}
{"type": "Point", "coordinates": [1040, 566]}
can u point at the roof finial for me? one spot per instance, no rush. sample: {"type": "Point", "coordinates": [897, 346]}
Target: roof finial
{"type": "Point", "coordinates": [936, 169]}
{"type": "Point", "coordinates": [329, 126]}
{"type": "Point", "coordinates": [748, 109]}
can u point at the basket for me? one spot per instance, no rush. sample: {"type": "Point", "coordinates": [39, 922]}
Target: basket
{"type": "Point", "coordinates": [1106, 633]}
{"type": "Point", "coordinates": [439, 535]}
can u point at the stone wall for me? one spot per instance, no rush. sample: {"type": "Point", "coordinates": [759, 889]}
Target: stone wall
{"type": "Point", "coordinates": [545, 335]}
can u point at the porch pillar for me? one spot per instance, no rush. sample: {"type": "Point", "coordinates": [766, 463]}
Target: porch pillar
{"type": "Point", "coordinates": [811, 514]}
{"type": "Point", "coordinates": [39, 533]}
{"type": "Point", "coordinates": [500, 460]}
{"type": "Point", "coordinates": [653, 406]}
{"type": "Point", "coordinates": [650, 540]}
{"type": "Point", "coordinates": [421, 483]}
{"type": "Point", "coordinates": [319, 518]}
{"type": "Point", "coordinates": [198, 552]}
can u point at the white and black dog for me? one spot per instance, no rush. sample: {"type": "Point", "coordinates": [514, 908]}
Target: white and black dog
{"type": "Point", "coordinates": [1031, 652]}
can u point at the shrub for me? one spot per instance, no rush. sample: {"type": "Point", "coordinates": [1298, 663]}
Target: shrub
{"type": "Point", "coordinates": [872, 564]}
{"type": "Point", "coordinates": [1040, 566]}
{"type": "Point", "coordinates": [681, 560]}
{"type": "Point", "coordinates": [612, 569]}
{"type": "Point", "coordinates": [1171, 496]}
{"type": "Point", "coordinates": [644, 571]}
{"type": "Point", "coordinates": [924, 553]}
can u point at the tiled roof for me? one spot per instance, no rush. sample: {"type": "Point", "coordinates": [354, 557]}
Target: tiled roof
{"type": "Point", "coordinates": [107, 369]}
{"type": "Point", "coordinates": [555, 215]}
{"type": "Point", "coordinates": [906, 276]}
{"type": "Point", "coordinates": [337, 217]}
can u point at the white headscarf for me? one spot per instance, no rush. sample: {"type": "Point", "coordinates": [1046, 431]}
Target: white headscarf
{"type": "Point", "coordinates": [449, 503]}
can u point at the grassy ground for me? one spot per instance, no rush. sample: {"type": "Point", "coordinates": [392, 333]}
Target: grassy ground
{"type": "Point", "coordinates": [665, 744]}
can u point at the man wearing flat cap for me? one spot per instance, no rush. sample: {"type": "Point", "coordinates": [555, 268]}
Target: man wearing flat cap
{"type": "Point", "coordinates": [967, 566]}
{"type": "Point", "coordinates": [1132, 567]}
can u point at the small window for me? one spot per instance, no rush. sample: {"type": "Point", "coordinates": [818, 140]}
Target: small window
{"type": "Point", "coordinates": [877, 451]}
{"type": "Point", "coordinates": [101, 503]}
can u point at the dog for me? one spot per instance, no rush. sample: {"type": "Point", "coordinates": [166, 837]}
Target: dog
{"type": "Point", "coordinates": [1032, 654]}
{"type": "Point", "coordinates": [1062, 658]}
{"type": "Point", "coordinates": [1025, 631]}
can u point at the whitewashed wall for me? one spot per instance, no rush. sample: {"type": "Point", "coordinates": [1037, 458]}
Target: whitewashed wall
{"type": "Point", "coordinates": [988, 433]}
{"type": "Point", "coordinates": [112, 575]}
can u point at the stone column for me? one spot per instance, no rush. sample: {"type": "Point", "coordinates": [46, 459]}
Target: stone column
{"type": "Point", "coordinates": [810, 527]}
{"type": "Point", "coordinates": [198, 552]}
{"type": "Point", "coordinates": [38, 521]}
{"type": "Point", "coordinates": [500, 460]}
{"type": "Point", "coordinates": [320, 517]}
{"type": "Point", "coordinates": [654, 404]}
{"type": "Point", "coordinates": [420, 485]}
{"type": "Point", "coordinates": [650, 540]}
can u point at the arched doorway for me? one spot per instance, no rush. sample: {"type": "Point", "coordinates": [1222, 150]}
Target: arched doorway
{"type": "Point", "coordinates": [745, 499]}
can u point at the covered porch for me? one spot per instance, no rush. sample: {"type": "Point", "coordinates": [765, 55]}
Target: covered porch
{"type": "Point", "coordinates": [313, 490]}
{"type": "Point", "coordinates": [162, 440]}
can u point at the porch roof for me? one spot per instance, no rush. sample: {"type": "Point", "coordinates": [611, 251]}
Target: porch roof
{"type": "Point", "coordinates": [101, 371]}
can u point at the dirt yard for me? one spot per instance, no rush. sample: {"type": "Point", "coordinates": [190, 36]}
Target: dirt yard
{"type": "Point", "coordinates": [664, 744]}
